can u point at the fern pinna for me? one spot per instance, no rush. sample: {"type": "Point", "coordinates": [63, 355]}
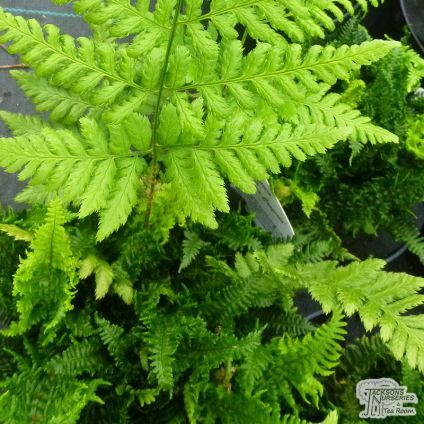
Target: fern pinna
{"type": "Point", "coordinates": [169, 91]}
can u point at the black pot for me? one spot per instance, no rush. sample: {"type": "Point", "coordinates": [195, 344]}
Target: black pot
{"type": "Point", "coordinates": [413, 11]}
{"type": "Point", "coordinates": [382, 246]}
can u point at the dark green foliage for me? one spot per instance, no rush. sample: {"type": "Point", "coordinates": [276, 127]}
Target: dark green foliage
{"type": "Point", "coordinates": [220, 344]}
{"type": "Point", "coordinates": [369, 358]}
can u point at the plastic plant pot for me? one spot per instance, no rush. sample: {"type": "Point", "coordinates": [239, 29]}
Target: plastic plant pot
{"type": "Point", "coordinates": [413, 11]}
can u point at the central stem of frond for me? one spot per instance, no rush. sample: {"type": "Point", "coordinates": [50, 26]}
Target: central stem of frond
{"type": "Point", "coordinates": [154, 144]}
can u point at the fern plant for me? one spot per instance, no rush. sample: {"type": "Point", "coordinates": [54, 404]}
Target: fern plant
{"type": "Point", "coordinates": [149, 118]}
{"type": "Point", "coordinates": [376, 186]}
{"type": "Point", "coordinates": [173, 99]}
{"type": "Point", "coordinates": [220, 340]}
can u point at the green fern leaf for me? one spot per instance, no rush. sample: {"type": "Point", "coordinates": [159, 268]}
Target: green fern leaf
{"type": "Point", "coordinates": [147, 396]}
{"type": "Point", "coordinates": [316, 353]}
{"type": "Point", "coordinates": [21, 124]}
{"type": "Point", "coordinates": [292, 18]}
{"type": "Point", "coordinates": [409, 234]}
{"type": "Point", "coordinates": [113, 336]}
{"type": "Point", "coordinates": [163, 342]}
{"type": "Point", "coordinates": [16, 232]}
{"type": "Point", "coordinates": [327, 109]}
{"type": "Point", "coordinates": [192, 245]}
{"type": "Point", "coordinates": [80, 68]}
{"type": "Point", "coordinates": [63, 105]}
{"type": "Point", "coordinates": [194, 170]}
{"type": "Point", "coordinates": [381, 299]}
{"type": "Point", "coordinates": [81, 357]}
{"type": "Point", "coordinates": [167, 90]}
{"type": "Point", "coordinates": [31, 396]}
{"type": "Point", "coordinates": [45, 280]}
{"type": "Point", "coordinates": [96, 178]}
{"type": "Point", "coordinates": [102, 271]}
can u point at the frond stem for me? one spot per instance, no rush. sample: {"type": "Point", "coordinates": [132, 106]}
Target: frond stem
{"type": "Point", "coordinates": [156, 114]}
{"type": "Point", "coordinates": [224, 10]}
{"type": "Point", "coordinates": [14, 66]}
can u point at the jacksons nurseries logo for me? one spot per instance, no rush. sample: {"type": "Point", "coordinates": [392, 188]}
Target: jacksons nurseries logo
{"type": "Point", "coordinates": [383, 398]}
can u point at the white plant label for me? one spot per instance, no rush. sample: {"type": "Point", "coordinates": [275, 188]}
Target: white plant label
{"type": "Point", "coordinates": [270, 215]}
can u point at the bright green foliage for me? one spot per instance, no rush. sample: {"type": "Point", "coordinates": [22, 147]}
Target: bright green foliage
{"type": "Point", "coordinates": [332, 418]}
{"type": "Point", "coordinates": [45, 280]}
{"type": "Point", "coordinates": [16, 232]}
{"type": "Point", "coordinates": [364, 189]}
{"type": "Point", "coordinates": [161, 99]}
{"type": "Point", "coordinates": [22, 124]}
{"type": "Point", "coordinates": [63, 105]}
{"type": "Point", "coordinates": [96, 175]}
{"type": "Point", "coordinates": [77, 359]}
{"type": "Point", "coordinates": [381, 299]}
{"type": "Point", "coordinates": [292, 18]}
{"type": "Point", "coordinates": [415, 136]}
{"type": "Point", "coordinates": [328, 108]}
{"type": "Point", "coordinates": [103, 274]}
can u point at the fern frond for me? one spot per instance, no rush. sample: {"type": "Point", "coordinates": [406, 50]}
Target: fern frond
{"type": "Point", "coordinates": [122, 18]}
{"type": "Point", "coordinates": [177, 74]}
{"type": "Point", "coordinates": [31, 396]}
{"type": "Point", "coordinates": [211, 351]}
{"type": "Point", "coordinates": [192, 245]}
{"type": "Point", "coordinates": [124, 289]}
{"type": "Point", "coordinates": [408, 233]}
{"type": "Point", "coordinates": [382, 299]}
{"type": "Point", "coordinates": [362, 355]}
{"type": "Point", "coordinates": [16, 232]}
{"type": "Point", "coordinates": [63, 105]}
{"type": "Point", "coordinates": [147, 396]}
{"type": "Point", "coordinates": [113, 336]}
{"type": "Point", "coordinates": [21, 124]}
{"type": "Point", "coordinates": [350, 32]}
{"type": "Point", "coordinates": [87, 67]}
{"type": "Point", "coordinates": [294, 324]}
{"type": "Point", "coordinates": [264, 20]}
{"type": "Point", "coordinates": [102, 271]}
{"type": "Point", "coordinates": [95, 176]}
{"type": "Point", "coordinates": [81, 357]}
{"type": "Point", "coordinates": [315, 354]}
{"type": "Point", "coordinates": [163, 341]}
{"type": "Point", "coordinates": [45, 280]}
{"type": "Point", "coordinates": [79, 323]}
{"type": "Point", "coordinates": [236, 408]}
{"type": "Point", "coordinates": [264, 73]}
{"type": "Point", "coordinates": [254, 365]}
{"type": "Point", "coordinates": [327, 109]}
{"type": "Point", "coordinates": [238, 296]}
{"type": "Point", "coordinates": [242, 158]}
{"type": "Point", "coordinates": [291, 419]}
